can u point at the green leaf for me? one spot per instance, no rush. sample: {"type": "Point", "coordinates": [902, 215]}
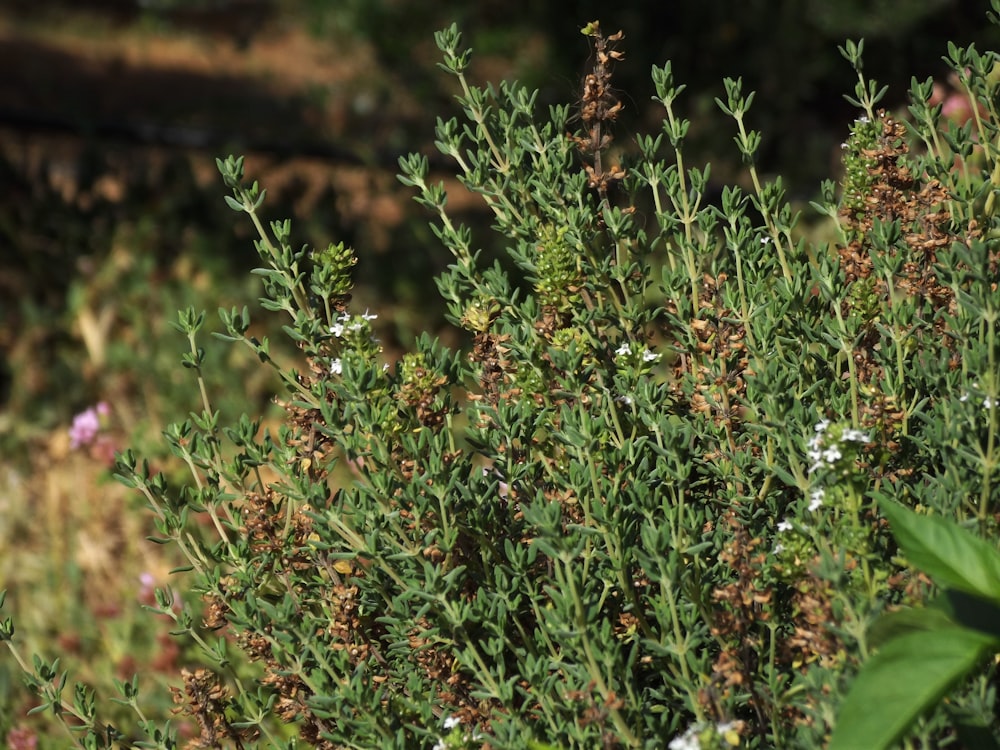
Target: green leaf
{"type": "Point", "coordinates": [970, 611]}
{"type": "Point", "coordinates": [234, 204]}
{"type": "Point", "coordinates": [948, 553]}
{"type": "Point", "coordinates": [952, 608]}
{"type": "Point", "coordinates": [908, 675]}
{"type": "Point", "coordinates": [906, 621]}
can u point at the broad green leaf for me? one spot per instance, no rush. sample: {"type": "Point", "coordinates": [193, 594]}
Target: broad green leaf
{"type": "Point", "coordinates": [948, 553]}
{"type": "Point", "coordinates": [906, 621]}
{"type": "Point", "coordinates": [902, 680]}
{"type": "Point", "coordinates": [969, 611]}
{"type": "Point", "coordinates": [952, 608]}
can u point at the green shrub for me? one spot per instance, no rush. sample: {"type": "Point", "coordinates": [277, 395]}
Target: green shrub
{"type": "Point", "coordinates": [640, 509]}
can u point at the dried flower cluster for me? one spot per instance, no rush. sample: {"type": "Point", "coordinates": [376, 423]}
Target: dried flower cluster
{"type": "Point", "coordinates": [881, 270]}
{"type": "Point", "coordinates": [599, 108]}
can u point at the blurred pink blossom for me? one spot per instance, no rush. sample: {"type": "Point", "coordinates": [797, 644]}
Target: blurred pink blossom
{"type": "Point", "coordinates": [955, 104]}
{"type": "Point", "coordinates": [86, 425]}
{"type": "Point", "coordinates": [22, 738]}
{"type": "Point", "coordinates": [147, 592]}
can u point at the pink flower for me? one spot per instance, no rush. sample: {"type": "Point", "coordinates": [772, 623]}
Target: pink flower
{"type": "Point", "coordinates": [957, 109]}
{"type": "Point", "coordinates": [87, 424]}
{"type": "Point", "coordinates": [22, 738]}
{"type": "Point", "coordinates": [955, 104]}
{"type": "Point", "coordinates": [147, 588]}
{"type": "Point", "coordinates": [84, 429]}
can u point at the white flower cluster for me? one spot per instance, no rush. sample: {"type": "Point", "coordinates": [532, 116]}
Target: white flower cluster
{"type": "Point", "coordinates": [449, 724]}
{"type": "Point", "coordinates": [862, 120]}
{"type": "Point", "coordinates": [690, 740]}
{"type": "Point", "coordinates": [815, 502]}
{"type": "Point", "coordinates": [988, 401]}
{"type": "Point", "coordinates": [345, 323]}
{"type": "Point", "coordinates": [816, 499]}
{"type": "Point", "coordinates": [626, 351]}
{"type": "Point", "coordinates": [822, 453]}
{"type": "Point", "coordinates": [348, 322]}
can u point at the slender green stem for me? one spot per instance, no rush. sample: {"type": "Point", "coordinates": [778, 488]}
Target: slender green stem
{"type": "Point", "coordinates": [291, 275]}
{"type": "Point", "coordinates": [596, 674]}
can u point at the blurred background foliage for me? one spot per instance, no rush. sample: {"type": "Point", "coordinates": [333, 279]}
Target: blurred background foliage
{"type": "Point", "coordinates": [113, 110]}
{"type": "Point", "coordinates": [111, 213]}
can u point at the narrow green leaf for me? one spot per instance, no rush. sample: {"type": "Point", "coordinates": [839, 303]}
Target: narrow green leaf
{"type": "Point", "coordinates": [234, 204]}
{"type": "Point", "coordinates": [948, 553]}
{"type": "Point", "coordinates": [908, 675]}
{"type": "Point", "coordinates": [973, 730]}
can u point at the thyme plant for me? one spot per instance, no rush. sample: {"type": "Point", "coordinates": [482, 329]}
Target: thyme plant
{"type": "Point", "coordinates": [641, 508]}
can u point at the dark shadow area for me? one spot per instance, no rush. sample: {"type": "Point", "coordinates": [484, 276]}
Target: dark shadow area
{"type": "Point", "coordinates": [238, 21]}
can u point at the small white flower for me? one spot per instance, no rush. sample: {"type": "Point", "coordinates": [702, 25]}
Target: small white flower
{"type": "Point", "coordinates": [778, 549]}
{"type": "Point", "coordinates": [816, 499]}
{"type": "Point", "coordinates": [451, 722]}
{"type": "Point", "coordinates": [815, 452]}
{"type": "Point", "coordinates": [337, 329]}
{"type": "Point", "coordinates": [336, 367]}
{"type": "Point", "coordinates": [765, 240]}
{"type": "Point", "coordinates": [988, 401]}
{"type": "Point", "coordinates": [822, 425]}
{"type": "Point", "coordinates": [687, 741]}
{"type": "Point", "coordinates": [785, 525]}
{"type": "Point", "coordinates": [855, 436]}
{"type": "Point", "coordinates": [862, 119]}
{"type": "Point", "coordinates": [832, 454]}
{"type": "Point", "coordinates": [627, 400]}
{"type": "Point", "coordinates": [843, 145]}
{"type": "Point", "coordinates": [503, 490]}
{"type": "Point", "coordinates": [440, 745]}
{"type": "Point", "coordinates": [625, 350]}
{"type": "Point", "coordinates": [366, 316]}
